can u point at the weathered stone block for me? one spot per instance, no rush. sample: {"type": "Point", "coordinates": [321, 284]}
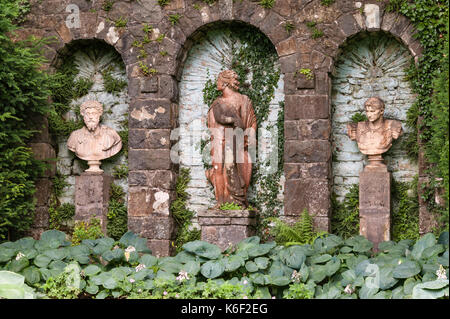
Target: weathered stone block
{"type": "Point", "coordinates": [306, 107]}
{"type": "Point", "coordinates": [140, 201]}
{"type": "Point", "coordinates": [307, 170]}
{"type": "Point", "coordinates": [152, 113]}
{"type": "Point", "coordinates": [375, 205]}
{"type": "Point", "coordinates": [312, 194]}
{"type": "Point", "coordinates": [348, 24]}
{"type": "Point", "coordinates": [149, 138]}
{"type": "Point", "coordinates": [44, 189]}
{"type": "Point", "coordinates": [149, 159]}
{"type": "Point", "coordinates": [92, 197]}
{"type": "Point", "coordinates": [286, 47]}
{"type": "Point", "coordinates": [225, 227]}
{"type": "Point", "coordinates": [160, 247]}
{"type": "Point", "coordinates": [309, 151]}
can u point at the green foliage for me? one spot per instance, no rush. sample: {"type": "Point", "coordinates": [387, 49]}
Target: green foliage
{"type": "Point", "coordinates": [117, 212]}
{"type": "Point", "coordinates": [405, 213]}
{"type": "Point", "coordinates": [230, 206]}
{"type": "Point", "coordinates": [163, 3]}
{"type": "Point", "coordinates": [429, 80]}
{"type": "Point", "coordinates": [181, 213]}
{"type": "Point", "coordinates": [24, 91]}
{"type": "Point", "coordinates": [107, 5]}
{"type": "Point", "coordinates": [267, 4]}
{"type": "Point", "coordinates": [60, 214]}
{"type": "Point", "coordinates": [329, 267]}
{"type": "Point", "coordinates": [345, 215]}
{"type": "Point", "coordinates": [86, 230]}
{"type": "Point", "coordinates": [209, 2]}
{"type": "Point", "coordinates": [316, 33]}
{"type": "Point", "coordinates": [301, 232]}
{"type": "Point", "coordinates": [120, 171]}
{"type": "Point", "coordinates": [63, 286]}
{"type": "Point", "coordinates": [326, 3]}
{"type": "Point", "coordinates": [111, 84]}
{"type": "Point", "coordinates": [121, 22]}
{"type": "Point", "coordinates": [289, 26]}
{"type": "Point", "coordinates": [12, 286]}
{"type": "Point", "coordinates": [174, 18]}
{"type": "Point", "coordinates": [306, 72]}
{"type": "Point", "coordinates": [358, 117]}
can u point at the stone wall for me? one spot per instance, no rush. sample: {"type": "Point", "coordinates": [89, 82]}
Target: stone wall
{"type": "Point", "coordinates": [153, 107]}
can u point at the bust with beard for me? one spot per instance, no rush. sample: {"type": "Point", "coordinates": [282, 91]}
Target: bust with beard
{"type": "Point", "coordinates": [94, 142]}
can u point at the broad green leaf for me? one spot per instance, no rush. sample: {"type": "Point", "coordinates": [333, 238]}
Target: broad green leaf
{"type": "Point", "coordinates": [443, 260]}
{"type": "Point", "coordinates": [57, 264]}
{"type": "Point", "coordinates": [203, 249]}
{"type": "Point", "coordinates": [386, 246]}
{"type": "Point", "coordinates": [56, 254]}
{"type": "Point", "coordinates": [113, 255]}
{"type": "Point", "coordinates": [428, 240]}
{"type": "Point", "coordinates": [131, 239]}
{"type": "Point", "coordinates": [102, 294]}
{"type": "Point", "coordinates": [320, 259]}
{"type": "Point", "coordinates": [262, 262]}
{"type": "Point", "coordinates": [434, 285]}
{"type": "Point", "coordinates": [293, 257]}
{"type": "Point", "coordinates": [368, 290]}
{"type": "Point", "coordinates": [9, 279]}
{"type": "Point", "coordinates": [430, 290]}
{"type": "Point", "coordinates": [25, 243]}
{"type": "Point", "coordinates": [317, 273]}
{"type": "Point", "coordinates": [6, 254]}
{"type": "Point", "coordinates": [346, 250]}
{"type": "Point", "coordinates": [102, 245]}
{"type": "Point", "coordinates": [332, 266]}
{"type": "Point", "coordinates": [118, 274]}
{"type": "Point", "coordinates": [443, 238]}
{"type": "Point", "coordinates": [362, 245]}
{"type": "Point", "coordinates": [280, 281]}
{"type": "Point", "coordinates": [16, 265]}
{"type": "Point", "coordinates": [92, 270]}
{"type": "Point", "coordinates": [32, 275]}
{"type": "Point", "coordinates": [191, 267]}
{"type": "Point", "coordinates": [148, 260]}
{"type": "Point", "coordinates": [406, 269]}
{"type": "Point", "coordinates": [42, 261]}
{"type": "Point", "coordinates": [433, 251]}
{"type": "Point", "coordinates": [408, 285]}
{"type": "Point", "coordinates": [261, 249]}
{"type": "Point", "coordinates": [109, 283]}
{"type": "Point", "coordinates": [92, 289]}
{"type": "Point", "coordinates": [251, 266]}
{"type": "Point", "coordinates": [386, 279]}
{"type": "Point", "coordinates": [184, 257]}
{"type": "Point", "coordinates": [170, 266]}
{"type": "Point", "coordinates": [79, 254]}
{"type": "Point", "coordinates": [53, 235]}
{"type": "Point", "coordinates": [304, 273]}
{"type": "Point", "coordinates": [398, 293]}
{"type": "Point", "coordinates": [232, 263]}
{"type": "Point", "coordinates": [212, 269]}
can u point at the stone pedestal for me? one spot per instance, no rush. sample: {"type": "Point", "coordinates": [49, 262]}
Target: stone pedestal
{"type": "Point", "coordinates": [375, 204]}
{"type": "Point", "coordinates": [92, 197]}
{"type": "Point", "coordinates": [222, 227]}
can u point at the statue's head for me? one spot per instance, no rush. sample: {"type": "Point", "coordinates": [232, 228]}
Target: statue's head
{"type": "Point", "coordinates": [227, 78]}
{"type": "Point", "coordinates": [91, 112]}
{"type": "Point", "coordinates": [374, 108]}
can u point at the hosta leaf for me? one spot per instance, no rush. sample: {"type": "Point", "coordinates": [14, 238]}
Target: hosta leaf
{"type": "Point", "coordinates": [53, 236]}
{"type": "Point", "coordinates": [92, 289]}
{"type": "Point", "coordinates": [280, 281]}
{"type": "Point", "coordinates": [443, 260]}
{"type": "Point", "coordinates": [109, 283]}
{"type": "Point", "coordinates": [406, 269]}
{"type": "Point", "coordinates": [428, 240]}
{"type": "Point", "coordinates": [203, 249]}
{"type": "Point", "coordinates": [113, 255]}
{"type": "Point", "coordinates": [232, 263]}
{"type": "Point", "coordinates": [25, 243]}
{"type": "Point", "coordinates": [293, 257]}
{"type": "Point", "coordinates": [317, 273]}
{"type": "Point", "coordinates": [386, 246]}
{"type": "Point", "coordinates": [18, 265]}
{"type": "Point", "coordinates": [408, 285]}
{"type": "Point", "coordinates": [430, 290]}
{"type": "Point", "coordinates": [212, 269]}
{"type": "Point", "coordinates": [386, 279]}
{"type": "Point", "coordinates": [191, 267]}
{"type": "Point", "coordinates": [261, 249]}
{"type": "Point", "coordinates": [304, 272]}
{"type": "Point", "coordinates": [346, 250]}
{"type": "Point", "coordinates": [56, 254]}
{"type": "Point", "coordinates": [362, 245]}
{"type": "Point", "coordinates": [42, 261]}
{"type": "Point", "coordinates": [443, 238]}
{"type": "Point", "coordinates": [57, 264]}
{"type": "Point", "coordinates": [332, 266]}
{"type": "Point", "coordinates": [148, 260]}
{"type": "Point", "coordinates": [131, 239]}
{"type": "Point", "coordinates": [92, 270]}
{"type": "Point", "coordinates": [32, 275]}
{"type": "Point", "coordinates": [262, 262]}
{"type": "Point", "coordinates": [320, 259]}
{"type": "Point", "coordinates": [6, 254]}
{"type": "Point", "coordinates": [433, 251]}
{"type": "Point", "coordinates": [251, 266]}
{"type": "Point", "coordinates": [184, 257]}
{"type": "Point", "coordinates": [79, 254]}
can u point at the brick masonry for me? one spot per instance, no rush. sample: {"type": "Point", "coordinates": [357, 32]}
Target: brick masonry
{"type": "Point", "coordinates": [153, 100]}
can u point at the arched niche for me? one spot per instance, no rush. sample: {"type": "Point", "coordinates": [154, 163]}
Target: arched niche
{"type": "Point", "coordinates": [213, 49]}
{"type": "Point", "coordinates": [370, 64]}
{"type": "Point", "coordinates": [101, 67]}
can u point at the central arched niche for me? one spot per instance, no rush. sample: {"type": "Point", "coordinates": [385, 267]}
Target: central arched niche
{"type": "Point", "coordinates": [215, 49]}
{"type": "Point", "coordinates": [371, 64]}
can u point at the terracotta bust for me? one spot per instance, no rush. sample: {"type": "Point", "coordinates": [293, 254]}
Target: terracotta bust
{"type": "Point", "coordinates": [94, 142]}
{"type": "Point", "coordinates": [374, 136]}
{"type": "Point", "coordinates": [228, 115]}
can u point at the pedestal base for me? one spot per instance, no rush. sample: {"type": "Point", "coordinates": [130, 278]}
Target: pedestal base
{"type": "Point", "coordinates": [225, 227]}
{"type": "Point", "coordinates": [92, 197]}
{"type": "Point", "coordinates": [375, 204]}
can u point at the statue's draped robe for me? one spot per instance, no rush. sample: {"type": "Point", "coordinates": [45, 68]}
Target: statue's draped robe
{"type": "Point", "coordinates": [231, 181]}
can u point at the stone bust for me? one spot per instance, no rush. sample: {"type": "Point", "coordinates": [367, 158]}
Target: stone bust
{"type": "Point", "coordinates": [375, 136]}
{"type": "Point", "coordinates": [94, 142]}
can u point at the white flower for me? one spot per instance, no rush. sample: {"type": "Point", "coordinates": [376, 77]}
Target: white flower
{"type": "Point", "coordinates": [273, 297]}
{"type": "Point", "coordinates": [140, 267]}
{"type": "Point", "coordinates": [296, 276]}
{"type": "Point", "coordinates": [132, 280]}
{"type": "Point", "coordinates": [245, 297]}
{"type": "Point", "coordinates": [349, 290]}
{"type": "Point", "coordinates": [128, 251]}
{"type": "Point", "coordinates": [19, 256]}
{"type": "Point", "coordinates": [177, 296]}
{"type": "Point", "coordinates": [440, 273]}
{"type": "Point", "coordinates": [245, 282]}
{"type": "Point", "coordinates": [182, 275]}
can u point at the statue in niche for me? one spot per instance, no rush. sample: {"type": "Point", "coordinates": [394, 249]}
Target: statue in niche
{"type": "Point", "coordinates": [232, 122]}
{"type": "Point", "coordinates": [94, 142]}
{"type": "Point", "coordinates": [375, 136]}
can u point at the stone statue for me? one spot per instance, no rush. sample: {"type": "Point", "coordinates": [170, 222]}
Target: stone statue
{"type": "Point", "coordinates": [94, 142]}
{"type": "Point", "coordinates": [232, 122]}
{"type": "Point", "coordinates": [374, 136]}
